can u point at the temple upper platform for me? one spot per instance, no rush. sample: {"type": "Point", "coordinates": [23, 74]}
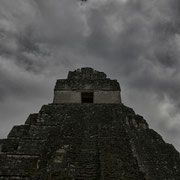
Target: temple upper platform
{"type": "Point", "coordinates": [87, 85]}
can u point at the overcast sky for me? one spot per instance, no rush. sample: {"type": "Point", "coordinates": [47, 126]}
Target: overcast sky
{"type": "Point", "coordinates": [136, 42]}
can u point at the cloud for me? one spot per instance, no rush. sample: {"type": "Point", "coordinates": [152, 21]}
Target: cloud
{"type": "Point", "coordinates": [134, 41]}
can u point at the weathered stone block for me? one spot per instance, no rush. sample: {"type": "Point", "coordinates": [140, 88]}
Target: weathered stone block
{"type": "Point", "coordinates": [18, 131]}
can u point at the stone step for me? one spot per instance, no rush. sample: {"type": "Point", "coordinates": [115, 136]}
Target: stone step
{"type": "Point", "coordinates": [39, 131]}
{"type": "Point", "coordinates": [30, 146]}
{"type": "Point", "coordinates": [18, 165]}
{"type": "Point", "coordinates": [13, 177]}
{"type": "Point", "coordinates": [8, 145]}
{"type": "Point", "coordinates": [32, 119]}
{"type": "Point", "coordinates": [18, 131]}
{"type": "Point", "coordinates": [22, 146]}
{"type": "Point", "coordinates": [87, 177]}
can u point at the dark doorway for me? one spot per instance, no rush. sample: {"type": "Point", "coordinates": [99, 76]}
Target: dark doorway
{"type": "Point", "coordinates": [87, 97]}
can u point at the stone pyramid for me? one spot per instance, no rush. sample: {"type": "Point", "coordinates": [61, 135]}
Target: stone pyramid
{"type": "Point", "coordinates": [87, 133]}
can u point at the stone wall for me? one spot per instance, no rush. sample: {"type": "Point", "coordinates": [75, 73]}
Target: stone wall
{"type": "Point", "coordinates": [104, 97]}
{"type": "Point", "coordinates": [67, 97]}
{"type": "Point", "coordinates": [107, 97]}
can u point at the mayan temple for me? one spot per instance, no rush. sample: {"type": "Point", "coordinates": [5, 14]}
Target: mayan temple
{"type": "Point", "coordinates": [87, 133]}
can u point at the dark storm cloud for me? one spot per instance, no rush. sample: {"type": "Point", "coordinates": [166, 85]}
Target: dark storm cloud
{"type": "Point", "coordinates": [147, 47]}
{"type": "Point", "coordinates": [135, 41]}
